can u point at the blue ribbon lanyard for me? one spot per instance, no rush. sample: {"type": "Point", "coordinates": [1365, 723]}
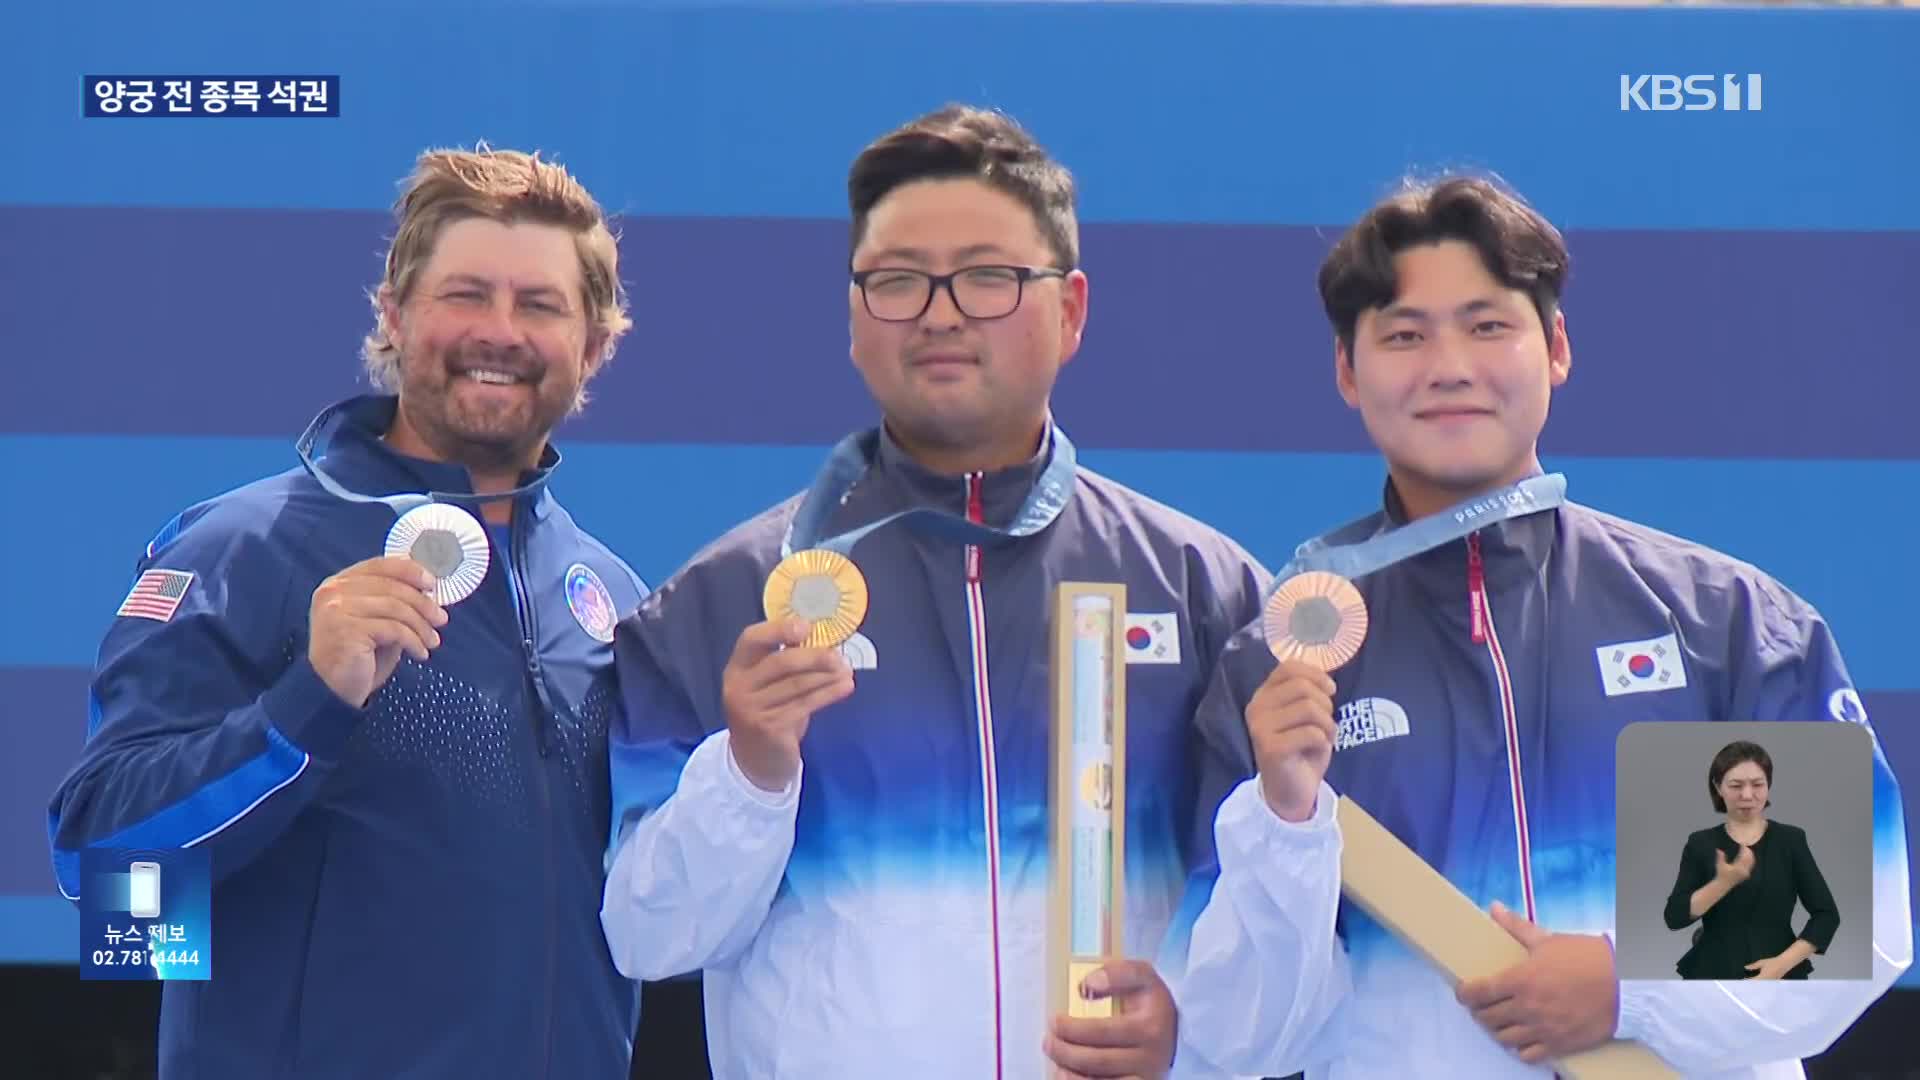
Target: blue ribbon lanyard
{"type": "Point", "coordinates": [855, 454]}
{"type": "Point", "coordinates": [399, 504]}
{"type": "Point", "coordinates": [1352, 561]}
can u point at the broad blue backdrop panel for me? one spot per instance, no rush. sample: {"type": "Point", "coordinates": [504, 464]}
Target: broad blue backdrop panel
{"type": "Point", "coordinates": [180, 297]}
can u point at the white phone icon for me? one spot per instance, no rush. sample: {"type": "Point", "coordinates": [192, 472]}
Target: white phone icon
{"type": "Point", "coordinates": [145, 893]}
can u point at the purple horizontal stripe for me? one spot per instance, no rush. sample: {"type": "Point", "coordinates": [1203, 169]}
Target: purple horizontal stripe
{"type": "Point", "coordinates": [1686, 344]}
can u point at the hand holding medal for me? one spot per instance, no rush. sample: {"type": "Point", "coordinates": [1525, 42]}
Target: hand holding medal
{"type": "Point", "coordinates": [1314, 623]}
{"type": "Point", "coordinates": [789, 667]}
{"type": "Point", "coordinates": [366, 617]}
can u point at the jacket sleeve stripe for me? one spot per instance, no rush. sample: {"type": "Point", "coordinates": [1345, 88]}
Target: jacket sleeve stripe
{"type": "Point", "coordinates": [200, 816]}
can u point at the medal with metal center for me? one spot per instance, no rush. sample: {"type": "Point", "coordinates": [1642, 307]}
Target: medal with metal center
{"type": "Point", "coordinates": [823, 587]}
{"type": "Point", "coordinates": [449, 543]}
{"type": "Point", "coordinates": [1318, 618]}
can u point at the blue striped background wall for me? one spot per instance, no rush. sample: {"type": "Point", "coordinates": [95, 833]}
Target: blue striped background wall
{"type": "Point", "coordinates": [178, 298]}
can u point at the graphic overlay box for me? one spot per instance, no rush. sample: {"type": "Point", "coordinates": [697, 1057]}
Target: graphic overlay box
{"type": "Point", "coordinates": [221, 96]}
{"type": "Point", "coordinates": [145, 914]}
{"type": "Point", "coordinates": [1667, 828]}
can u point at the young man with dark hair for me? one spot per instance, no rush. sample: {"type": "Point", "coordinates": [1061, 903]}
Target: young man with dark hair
{"type": "Point", "coordinates": [852, 840]}
{"type": "Point", "coordinates": [1511, 636]}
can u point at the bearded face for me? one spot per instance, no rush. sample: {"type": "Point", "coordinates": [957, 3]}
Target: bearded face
{"type": "Point", "coordinates": [493, 343]}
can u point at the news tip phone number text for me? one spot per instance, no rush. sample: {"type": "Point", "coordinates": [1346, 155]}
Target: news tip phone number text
{"type": "Point", "coordinates": [143, 957]}
{"type": "Point", "coordinates": [210, 95]}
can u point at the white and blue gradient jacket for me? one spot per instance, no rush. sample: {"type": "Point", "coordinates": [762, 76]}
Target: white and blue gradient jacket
{"type": "Point", "coordinates": [887, 918]}
{"type": "Point", "coordinates": [1492, 756]}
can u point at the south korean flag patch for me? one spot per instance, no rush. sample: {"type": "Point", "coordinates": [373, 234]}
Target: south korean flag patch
{"type": "Point", "coordinates": [1153, 639]}
{"type": "Point", "coordinates": [1642, 667]}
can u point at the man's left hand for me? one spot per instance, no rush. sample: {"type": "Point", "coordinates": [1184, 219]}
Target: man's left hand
{"type": "Point", "coordinates": [1137, 1041]}
{"type": "Point", "coordinates": [1563, 998]}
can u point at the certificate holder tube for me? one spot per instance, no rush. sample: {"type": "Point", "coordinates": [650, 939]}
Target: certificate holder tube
{"type": "Point", "coordinates": [1086, 791]}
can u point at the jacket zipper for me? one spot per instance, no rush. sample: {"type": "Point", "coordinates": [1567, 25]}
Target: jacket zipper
{"type": "Point", "coordinates": [1480, 609]}
{"type": "Point", "coordinates": [543, 717]}
{"type": "Point", "coordinates": [989, 778]}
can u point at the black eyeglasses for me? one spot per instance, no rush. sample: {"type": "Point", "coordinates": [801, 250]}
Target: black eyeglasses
{"type": "Point", "coordinates": [980, 292]}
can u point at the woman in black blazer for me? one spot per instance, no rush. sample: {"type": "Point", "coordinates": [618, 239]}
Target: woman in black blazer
{"type": "Point", "coordinates": [1741, 877]}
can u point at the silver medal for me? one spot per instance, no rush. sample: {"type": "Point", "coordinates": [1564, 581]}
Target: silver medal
{"type": "Point", "coordinates": [449, 543]}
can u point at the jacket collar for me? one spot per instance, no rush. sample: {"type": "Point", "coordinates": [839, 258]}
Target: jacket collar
{"type": "Point", "coordinates": [349, 441]}
{"type": "Point", "coordinates": [1002, 492]}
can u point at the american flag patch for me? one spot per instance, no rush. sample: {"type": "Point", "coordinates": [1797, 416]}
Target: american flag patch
{"type": "Point", "coordinates": [156, 595]}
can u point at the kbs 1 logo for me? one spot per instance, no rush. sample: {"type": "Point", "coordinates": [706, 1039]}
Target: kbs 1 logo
{"type": "Point", "coordinates": [1691, 93]}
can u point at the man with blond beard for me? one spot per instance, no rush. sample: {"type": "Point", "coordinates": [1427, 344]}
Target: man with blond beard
{"type": "Point", "coordinates": [396, 762]}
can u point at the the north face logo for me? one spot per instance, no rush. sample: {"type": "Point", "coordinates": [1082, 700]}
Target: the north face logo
{"type": "Point", "coordinates": [860, 653]}
{"type": "Point", "coordinates": [1845, 706]}
{"type": "Point", "coordinates": [1368, 720]}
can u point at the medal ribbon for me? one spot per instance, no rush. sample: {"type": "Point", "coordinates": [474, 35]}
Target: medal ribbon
{"type": "Point", "coordinates": [1352, 561]}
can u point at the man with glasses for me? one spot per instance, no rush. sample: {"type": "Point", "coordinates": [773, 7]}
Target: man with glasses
{"type": "Point", "coordinates": [852, 840]}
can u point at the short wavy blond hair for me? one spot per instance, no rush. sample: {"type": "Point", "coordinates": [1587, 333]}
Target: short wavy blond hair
{"type": "Point", "coordinates": [510, 187]}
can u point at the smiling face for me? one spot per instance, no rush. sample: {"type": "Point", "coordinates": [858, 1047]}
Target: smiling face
{"type": "Point", "coordinates": [494, 344]}
{"type": "Point", "coordinates": [1453, 376]}
{"type": "Point", "coordinates": [968, 391]}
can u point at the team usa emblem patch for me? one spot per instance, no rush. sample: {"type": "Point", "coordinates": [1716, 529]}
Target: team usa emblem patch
{"type": "Point", "coordinates": [591, 604]}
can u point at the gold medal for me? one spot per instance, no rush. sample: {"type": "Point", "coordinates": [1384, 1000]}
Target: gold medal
{"type": "Point", "coordinates": [1318, 618]}
{"type": "Point", "coordinates": [824, 588]}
